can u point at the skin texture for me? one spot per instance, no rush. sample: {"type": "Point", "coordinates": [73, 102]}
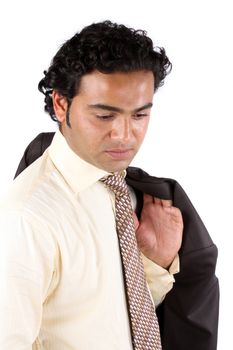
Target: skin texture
{"type": "Point", "coordinates": [109, 119]}
{"type": "Point", "coordinates": [108, 139]}
{"type": "Point", "coordinates": [159, 232]}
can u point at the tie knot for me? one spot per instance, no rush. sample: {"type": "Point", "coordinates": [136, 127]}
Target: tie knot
{"type": "Point", "coordinates": [116, 183]}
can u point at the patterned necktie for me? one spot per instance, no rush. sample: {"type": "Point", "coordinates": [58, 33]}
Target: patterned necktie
{"type": "Point", "coordinates": [144, 323]}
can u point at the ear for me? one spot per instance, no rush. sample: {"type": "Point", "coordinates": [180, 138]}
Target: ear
{"type": "Point", "coordinates": [60, 106]}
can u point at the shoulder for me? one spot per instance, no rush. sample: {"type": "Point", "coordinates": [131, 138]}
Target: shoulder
{"type": "Point", "coordinates": [33, 189]}
{"type": "Point", "coordinates": [34, 150]}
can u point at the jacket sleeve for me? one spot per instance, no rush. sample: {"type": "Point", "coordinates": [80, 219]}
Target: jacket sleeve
{"type": "Point", "coordinates": [189, 314]}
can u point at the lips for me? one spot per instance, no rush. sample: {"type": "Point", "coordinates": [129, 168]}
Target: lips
{"type": "Point", "coordinates": [119, 153]}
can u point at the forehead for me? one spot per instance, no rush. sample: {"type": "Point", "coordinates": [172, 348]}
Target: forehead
{"type": "Point", "coordinates": [133, 86]}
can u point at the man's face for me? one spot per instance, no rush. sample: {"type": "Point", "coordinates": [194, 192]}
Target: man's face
{"type": "Point", "coordinates": [109, 117]}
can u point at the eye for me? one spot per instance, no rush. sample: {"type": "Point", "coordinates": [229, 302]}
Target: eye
{"type": "Point", "coordinates": [140, 115]}
{"type": "Point", "coordinates": [105, 116]}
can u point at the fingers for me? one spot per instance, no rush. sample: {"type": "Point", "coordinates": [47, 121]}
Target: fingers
{"type": "Point", "coordinates": [135, 220]}
{"type": "Point", "coordinates": [166, 203]}
{"type": "Point", "coordinates": [147, 199]}
{"type": "Point", "coordinates": [157, 200]}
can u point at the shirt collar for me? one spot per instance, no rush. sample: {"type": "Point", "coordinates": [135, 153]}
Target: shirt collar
{"type": "Point", "coordinates": [77, 172]}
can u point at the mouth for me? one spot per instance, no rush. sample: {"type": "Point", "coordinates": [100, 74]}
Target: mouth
{"type": "Point", "coordinates": [120, 154]}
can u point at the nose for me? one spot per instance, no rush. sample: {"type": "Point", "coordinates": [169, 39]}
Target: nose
{"type": "Point", "coordinates": [121, 129]}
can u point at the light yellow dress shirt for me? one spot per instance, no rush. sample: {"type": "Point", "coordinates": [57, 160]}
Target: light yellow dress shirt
{"type": "Point", "coordinates": [61, 282]}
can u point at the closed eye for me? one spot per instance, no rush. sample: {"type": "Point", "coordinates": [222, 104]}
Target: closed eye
{"type": "Point", "coordinates": [105, 116]}
{"type": "Point", "coordinates": [140, 115]}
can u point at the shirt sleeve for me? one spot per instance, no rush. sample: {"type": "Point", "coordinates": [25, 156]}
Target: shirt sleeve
{"type": "Point", "coordinates": [26, 269]}
{"type": "Point", "coordinates": [160, 280]}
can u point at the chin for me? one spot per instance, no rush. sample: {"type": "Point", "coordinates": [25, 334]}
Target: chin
{"type": "Point", "coordinates": [117, 167]}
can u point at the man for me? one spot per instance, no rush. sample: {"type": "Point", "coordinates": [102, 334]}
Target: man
{"type": "Point", "coordinates": [71, 277]}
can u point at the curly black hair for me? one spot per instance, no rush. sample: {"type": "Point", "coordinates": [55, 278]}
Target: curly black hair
{"type": "Point", "coordinates": [106, 47]}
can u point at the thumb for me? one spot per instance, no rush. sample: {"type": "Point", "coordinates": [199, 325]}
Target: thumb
{"type": "Point", "coordinates": [135, 220]}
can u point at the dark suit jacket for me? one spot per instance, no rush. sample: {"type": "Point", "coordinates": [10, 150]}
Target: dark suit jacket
{"type": "Point", "coordinates": [188, 316]}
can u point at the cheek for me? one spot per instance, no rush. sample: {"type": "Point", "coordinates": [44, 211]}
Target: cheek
{"type": "Point", "coordinates": [82, 127]}
{"type": "Point", "coordinates": [141, 128]}
{"type": "Point", "coordinates": [91, 133]}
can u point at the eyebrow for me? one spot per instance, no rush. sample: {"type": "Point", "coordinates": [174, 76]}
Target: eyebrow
{"type": "Point", "coordinates": [117, 109]}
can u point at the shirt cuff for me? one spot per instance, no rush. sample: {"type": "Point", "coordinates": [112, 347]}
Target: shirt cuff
{"type": "Point", "coordinates": [160, 280]}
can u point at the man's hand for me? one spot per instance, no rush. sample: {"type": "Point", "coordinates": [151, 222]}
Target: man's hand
{"type": "Point", "coordinates": [159, 231]}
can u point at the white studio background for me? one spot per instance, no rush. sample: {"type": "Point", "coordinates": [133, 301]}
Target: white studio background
{"type": "Point", "coordinates": [190, 135]}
